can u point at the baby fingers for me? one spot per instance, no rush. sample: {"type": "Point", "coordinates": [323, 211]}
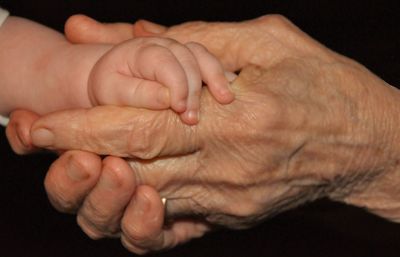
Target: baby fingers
{"type": "Point", "coordinates": [212, 73]}
{"type": "Point", "coordinates": [158, 73]}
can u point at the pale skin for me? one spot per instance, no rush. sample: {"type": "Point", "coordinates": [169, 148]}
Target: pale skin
{"type": "Point", "coordinates": [306, 123]}
{"type": "Point", "coordinates": [43, 72]}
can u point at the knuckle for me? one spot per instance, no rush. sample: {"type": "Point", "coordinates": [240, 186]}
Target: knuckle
{"type": "Point", "coordinates": [82, 161]}
{"type": "Point", "coordinates": [157, 53]}
{"type": "Point", "coordinates": [152, 139]}
{"type": "Point", "coordinates": [275, 21]}
{"type": "Point", "coordinates": [185, 55]}
{"type": "Point", "coordinates": [265, 103]}
{"type": "Point", "coordinates": [91, 136]}
{"type": "Point", "coordinates": [243, 215]}
{"type": "Point", "coordinates": [140, 148]}
{"type": "Point", "coordinates": [275, 113]}
{"type": "Point", "coordinates": [245, 208]}
{"type": "Point", "coordinates": [111, 165]}
{"type": "Point", "coordinates": [267, 112]}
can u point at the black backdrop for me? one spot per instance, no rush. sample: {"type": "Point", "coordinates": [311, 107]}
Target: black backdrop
{"type": "Point", "coordinates": [368, 31]}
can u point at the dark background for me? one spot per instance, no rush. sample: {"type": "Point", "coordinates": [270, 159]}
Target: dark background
{"type": "Point", "coordinates": [368, 31]}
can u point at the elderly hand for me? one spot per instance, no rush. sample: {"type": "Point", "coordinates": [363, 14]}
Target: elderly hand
{"type": "Point", "coordinates": [306, 123]}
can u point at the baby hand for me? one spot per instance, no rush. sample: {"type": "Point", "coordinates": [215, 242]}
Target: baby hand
{"type": "Point", "coordinates": [158, 73]}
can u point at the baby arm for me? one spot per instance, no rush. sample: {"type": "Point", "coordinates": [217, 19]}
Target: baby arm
{"type": "Point", "coordinates": [40, 70]}
{"type": "Point", "coordinates": [158, 73]}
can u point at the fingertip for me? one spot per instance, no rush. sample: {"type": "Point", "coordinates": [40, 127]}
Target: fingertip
{"type": "Point", "coordinates": [70, 178]}
{"type": "Point", "coordinates": [179, 106]}
{"type": "Point", "coordinates": [82, 29]}
{"type": "Point", "coordinates": [116, 173]}
{"type": "Point", "coordinates": [18, 131]}
{"type": "Point", "coordinates": [23, 134]}
{"type": "Point", "coordinates": [179, 98]}
{"type": "Point", "coordinates": [213, 73]}
{"type": "Point", "coordinates": [191, 117]}
{"type": "Point", "coordinates": [17, 140]}
{"type": "Point", "coordinates": [221, 91]}
{"type": "Point", "coordinates": [78, 19]}
{"type": "Point", "coordinates": [77, 27]}
{"type": "Point", "coordinates": [82, 166]}
{"type": "Point", "coordinates": [225, 96]}
{"type": "Point", "coordinates": [147, 28]}
{"type": "Point", "coordinates": [144, 217]}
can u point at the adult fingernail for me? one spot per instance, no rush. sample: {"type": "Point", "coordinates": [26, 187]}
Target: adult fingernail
{"type": "Point", "coordinates": [109, 179]}
{"type": "Point", "coordinates": [142, 205]}
{"type": "Point", "coordinates": [193, 116]}
{"type": "Point", "coordinates": [75, 172]}
{"type": "Point", "coordinates": [42, 137]}
{"type": "Point", "coordinates": [152, 27]}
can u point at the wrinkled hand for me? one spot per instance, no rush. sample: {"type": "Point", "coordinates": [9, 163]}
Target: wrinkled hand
{"type": "Point", "coordinates": [306, 123]}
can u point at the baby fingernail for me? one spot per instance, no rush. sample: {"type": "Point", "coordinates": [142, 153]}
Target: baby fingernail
{"type": "Point", "coordinates": [42, 137]}
{"type": "Point", "coordinates": [193, 116]}
{"type": "Point", "coordinates": [226, 93]}
{"type": "Point", "coordinates": [76, 173]}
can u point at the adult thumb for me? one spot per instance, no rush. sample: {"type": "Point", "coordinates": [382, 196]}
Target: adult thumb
{"type": "Point", "coordinates": [118, 131]}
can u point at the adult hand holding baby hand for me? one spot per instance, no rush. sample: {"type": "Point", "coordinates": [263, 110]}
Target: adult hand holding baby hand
{"type": "Point", "coordinates": [306, 123]}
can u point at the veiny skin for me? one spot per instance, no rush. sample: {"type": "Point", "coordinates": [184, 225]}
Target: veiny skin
{"type": "Point", "coordinates": [306, 123]}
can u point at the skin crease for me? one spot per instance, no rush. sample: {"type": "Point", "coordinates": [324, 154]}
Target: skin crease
{"type": "Point", "coordinates": [305, 123]}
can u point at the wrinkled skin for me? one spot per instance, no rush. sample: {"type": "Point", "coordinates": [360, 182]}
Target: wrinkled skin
{"type": "Point", "coordinates": [306, 123]}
